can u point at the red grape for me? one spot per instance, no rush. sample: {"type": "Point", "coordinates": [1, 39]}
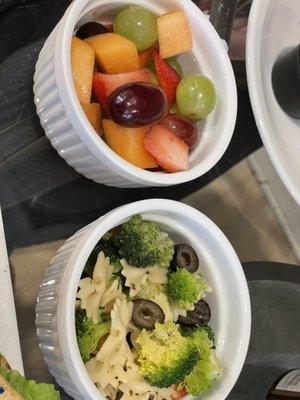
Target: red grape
{"type": "Point", "coordinates": [137, 104]}
{"type": "Point", "coordinates": [91, 29]}
{"type": "Point", "coordinates": [184, 128]}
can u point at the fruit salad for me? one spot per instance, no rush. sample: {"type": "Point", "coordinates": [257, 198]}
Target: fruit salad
{"type": "Point", "coordinates": [142, 316]}
{"type": "Point", "coordinates": [133, 89]}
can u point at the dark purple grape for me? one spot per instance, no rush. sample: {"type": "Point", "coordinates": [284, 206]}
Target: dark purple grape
{"type": "Point", "coordinates": [137, 104]}
{"type": "Point", "coordinates": [91, 29]}
{"type": "Point", "coordinates": [184, 128]}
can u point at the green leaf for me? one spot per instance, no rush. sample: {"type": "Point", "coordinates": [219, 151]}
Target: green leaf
{"type": "Point", "coordinates": [28, 389]}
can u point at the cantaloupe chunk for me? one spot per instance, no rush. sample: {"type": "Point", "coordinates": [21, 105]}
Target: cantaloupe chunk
{"type": "Point", "coordinates": [114, 53]}
{"type": "Point", "coordinates": [83, 61]}
{"type": "Point", "coordinates": [93, 113]}
{"type": "Point", "coordinates": [174, 34]}
{"type": "Point", "coordinates": [128, 143]}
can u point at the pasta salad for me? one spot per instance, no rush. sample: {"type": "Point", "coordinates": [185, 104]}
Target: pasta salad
{"type": "Point", "coordinates": [141, 318]}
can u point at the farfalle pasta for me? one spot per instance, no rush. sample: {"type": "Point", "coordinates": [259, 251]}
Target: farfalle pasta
{"type": "Point", "coordinates": [100, 290]}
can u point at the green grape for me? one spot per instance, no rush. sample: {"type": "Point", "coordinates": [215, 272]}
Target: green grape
{"type": "Point", "coordinates": [154, 80]}
{"type": "Point", "coordinates": [174, 63]}
{"type": "Point", "coordinates": [195, 96]}
{"type": "Point", "coordinates": [139, 25]}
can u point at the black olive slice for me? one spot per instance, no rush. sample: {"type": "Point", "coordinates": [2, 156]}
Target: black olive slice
{"type": "Point", "coordinates": [198, 317]}
{"type": "Point", "coordinates": [185, 257]}
{"type": "Point", "coordinates": [146, 313]}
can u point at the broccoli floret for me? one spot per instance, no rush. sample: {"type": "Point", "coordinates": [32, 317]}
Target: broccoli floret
{"type": "Point", "coordinates": [165, 356]}
{"type": "Point", "coordinates": [196, 382]}
{"type": "Point", "coordinates": [184, 288]}
{"type": "Point", "coordinates": [88, 334]}
{"type": "Point", "coordinates": [208, 367]}
{"type": "Point", "coordinates": [189, 330]}
{"type": "Point", "coordinates": [143, 244]}
{"type": "Point", "coordinates": [210, 333]}
{"type": "Point", "coordinates": [108, 247]}
{"type": "Point", "coordinates": [201, 339]}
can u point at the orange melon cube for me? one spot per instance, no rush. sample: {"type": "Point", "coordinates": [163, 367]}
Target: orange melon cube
{"type": "Point", "coordinates": [174, 34]}
{"type": "Point", "coordinates": [93, 113]}
{"type": "Point", "coordinates": [83, 61]}
{"type": "Point", "coordinates": [128, 143]}
{"type": "Point", "coordinates": [114, 53]}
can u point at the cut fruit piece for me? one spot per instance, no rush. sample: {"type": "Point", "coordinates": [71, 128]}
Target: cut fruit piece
{"type": "Point", "coordinates": [128, 143]}
{"type": "Point", "coordinates": [93, 113]}
{"type": "Point", "coordinates": [83, 60]}
{"type": "Point", "coordinates": [174, 34]}
{"type": "Point", "coordinates": [114, 53]}
{"type": "Point", "coordinates": [105, 84]}
{"type": "Point", "coordinates": [168, 150]}
{"type": "Point", "coordinates": [145, 57]}
{"type": "Point", "coordinates": [167, 77]}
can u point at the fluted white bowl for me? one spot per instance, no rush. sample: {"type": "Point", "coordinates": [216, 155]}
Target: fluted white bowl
{"type": "Point", "coordinates": [71, 134]}
{"type": "Point", "coordinates": [219, 263]}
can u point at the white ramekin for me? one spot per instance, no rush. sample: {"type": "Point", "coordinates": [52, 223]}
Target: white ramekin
{"type": "Point", "coordinates": [219, 264]}
{"type": "Point", "coordinates": [68, 129]}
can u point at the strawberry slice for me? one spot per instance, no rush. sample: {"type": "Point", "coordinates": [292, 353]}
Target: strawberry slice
{"type": "Point", "coordinates": [105, 84]}
{"type": "Point", "coordinates": [168, 150]}
{"type": "Point", "coordinates": [167, 77]}
{"type": "Point", "coordinates": [145, 56]}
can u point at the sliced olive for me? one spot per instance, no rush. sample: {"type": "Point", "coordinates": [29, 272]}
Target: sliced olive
{"type": "Point", "coordinates": [91, 29]}
{"type": "Point", "coordinates": [185, 257]}
{"type": "Point", "coordinates": [197, 317]}
{"type": "Point", "coordinates": [146, 313]}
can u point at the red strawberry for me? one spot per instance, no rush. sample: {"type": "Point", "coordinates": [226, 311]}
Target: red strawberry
{"type": "Point", "coordinates": [168, 150]}
{"type": "Point", "coordinates": [105, 84]}
{"type": "Point", "coordinates": [167, 77]}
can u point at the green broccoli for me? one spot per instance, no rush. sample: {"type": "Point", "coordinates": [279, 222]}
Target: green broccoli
{"type": "Point", "coordinates": [208, 367]}
{"type": "Point", "coordinates": [186, 330]}
{"type": "Point", "coordinates": [143, 244]}
{"type": "Point", "coordinates": [200, 337]}
{"type": "Point", "coordinates": [108, 247]}
{"type": "Point", "coordinates": [88, 334]}
{"type": "Point", "coordinates": [210, 333]}
{"type": "Point", "coordinates": [184, 288]}
{"type": "Point", "coordinates": [196, 382]}
{"type": "Point", "coordinates": [165, 356]}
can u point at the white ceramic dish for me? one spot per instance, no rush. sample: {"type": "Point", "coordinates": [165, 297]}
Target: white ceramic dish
{"type": "Point", "coordinates": [273, 26]}
{"type": "Point", "coordinates": [9, 335]}
{"type": "Point", "coordinates": [229, 300]}
{"type": "Point", "coordinates": [68, 129]}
